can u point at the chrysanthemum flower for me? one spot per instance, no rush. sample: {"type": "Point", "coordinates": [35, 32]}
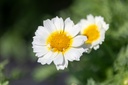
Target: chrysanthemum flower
{"type": "Point", "coordinates": [94, 28]}
{"type": "Point", "coordinates": [58, 41]}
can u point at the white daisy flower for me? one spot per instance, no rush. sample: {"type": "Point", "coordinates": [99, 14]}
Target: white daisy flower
{"type": "Point", "coordinates": [94, 28]}
{"type": "Point", "coordinates": [58, 41]}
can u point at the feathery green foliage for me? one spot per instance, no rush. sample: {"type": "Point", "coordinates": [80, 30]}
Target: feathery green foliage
{"type": "Point", "coordinates": [106, 66]}
{"type": "Point", "coordinates": [3, 78]}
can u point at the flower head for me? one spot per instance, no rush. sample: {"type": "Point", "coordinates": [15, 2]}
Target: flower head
{"type": "Point", "coordinates": [58, 42]}
{"type": "Point", "coordinates": [94, 28]}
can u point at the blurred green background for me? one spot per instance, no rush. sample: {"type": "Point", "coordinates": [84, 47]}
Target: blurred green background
{"type": "Point", "coordinates": [19, 20]}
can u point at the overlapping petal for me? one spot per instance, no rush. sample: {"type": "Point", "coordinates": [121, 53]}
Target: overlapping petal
{"type": "Point", "coordinates": [71, 28]}
{"type": "Point", "coordinates": [79, 40]}
{"type": "Point", "coordinates": [74, 54]}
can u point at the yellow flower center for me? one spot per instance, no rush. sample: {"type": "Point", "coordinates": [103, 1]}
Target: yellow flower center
{"type": "Point", "coordinates": [59, 41]}
{"type": "Point", "coordinates": [92, 33]}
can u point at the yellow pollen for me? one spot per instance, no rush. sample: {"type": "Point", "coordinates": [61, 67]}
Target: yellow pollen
{"type": "Point", "coordinates": [92, 33]}
{"type": "Point", "coordinates": [59, 41]}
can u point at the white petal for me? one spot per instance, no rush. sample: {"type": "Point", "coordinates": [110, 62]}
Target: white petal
{"type": "Point", "coordinates": [79, 40]}
{"type": "Point", "coordinates": [105, 26]}
{"type": "Point", "coordinates": [40, 36]}
{"type": "Point", "coordinates": [90, 18]}
{"type": "Point", "coordinates": [68, 25]}
{"type": "Point", "coordinates": [40, 54]}
{"type": "Point", "coordinates": [99, 19]}
{"type": "Point", "coordinates": [71, 28]}
{"type": "Point", "coordinates": [43, 60]}
{"type": "Point", "coordinates": [59, 59]}
{"type": "Point", "coordinates": [58, 22]}
{"type": "Point", "coordinates": [84, 24]}
{"type": "Point", "coordinates": [40, 50]}
{"type": "Point", "coordinates": [41, 31]}
{"type": "Point", "coordinates": [96, 47]}
{"type": "Point", "coordinates": [49, 25]}
{"type": "Point", "coordinates": [76, 29]}
{"type": "Point", "coordinates": [74, 54]}
{"type": "Point", "coordinates": [38, 40]}
{"type": "Point", "coordinates": [52, 58]}
{"type": "Point", "coordinates": [62, 66]}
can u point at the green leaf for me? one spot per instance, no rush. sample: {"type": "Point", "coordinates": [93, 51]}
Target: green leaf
{"type": "Point", "coordinates": [5, 83]}
{"type": "Point", "coordinates": [43, 72]}
{"type": "Point", "coordinates": [91, 82]}
{"type": "Point", "coordinates": [121, 62]}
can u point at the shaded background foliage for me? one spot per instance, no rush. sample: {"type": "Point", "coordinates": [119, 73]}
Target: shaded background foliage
{"type": "Point", "coordinates": [18, 22]}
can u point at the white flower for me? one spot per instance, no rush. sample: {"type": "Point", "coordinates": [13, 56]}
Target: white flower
{"type": "Point", "coordinates": [58, 41]}
{"type": "Point", "coordinates": [94, 28]}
